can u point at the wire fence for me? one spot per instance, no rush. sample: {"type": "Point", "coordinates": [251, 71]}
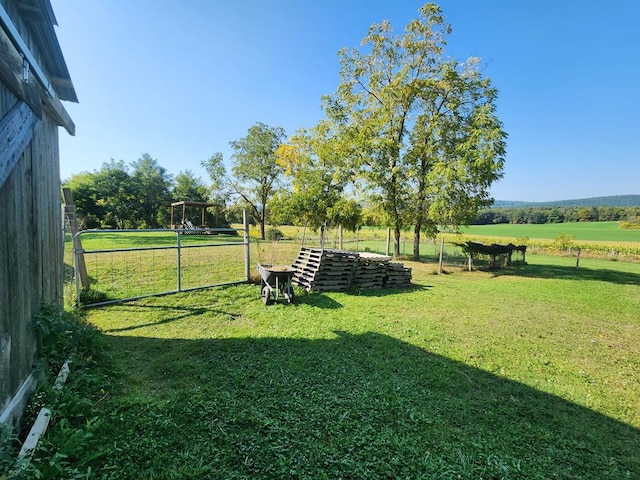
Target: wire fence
{"type": "Point", "coordinates": [285, 250]}
{"type": "Point", "coordinates": [117, 265]}
{"type": "Point", "coordinates": [128, 264]}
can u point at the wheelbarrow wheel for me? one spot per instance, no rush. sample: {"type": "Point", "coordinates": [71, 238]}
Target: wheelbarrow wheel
{"type": "Point", "coordinates": [266, 295]}
{"type": "Point", "coordinates": [288, 293]}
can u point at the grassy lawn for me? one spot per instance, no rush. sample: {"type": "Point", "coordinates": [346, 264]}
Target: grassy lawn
{"type": "Point", "coordinates": [528, 372]}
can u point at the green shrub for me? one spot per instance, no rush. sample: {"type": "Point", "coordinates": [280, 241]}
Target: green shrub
{"type": "Point", "coordinates": [274, 234]}
{"type": "Point", "coordinates": [66, 450]}
{"type": "Point", "coordinates": [63, 334]}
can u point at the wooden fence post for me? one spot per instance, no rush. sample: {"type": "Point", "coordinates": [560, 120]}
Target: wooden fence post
{"type": "Point", "coordinates": [78, 252]}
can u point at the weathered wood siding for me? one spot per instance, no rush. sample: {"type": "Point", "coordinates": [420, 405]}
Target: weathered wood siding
{"type": "Point", "coordinates": [31, 249]}
{"type": "Point", "coordinates": [31, 244]}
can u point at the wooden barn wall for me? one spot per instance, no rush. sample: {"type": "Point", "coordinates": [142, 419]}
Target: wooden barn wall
{"type": "Point", "coordinates": [31, 250]}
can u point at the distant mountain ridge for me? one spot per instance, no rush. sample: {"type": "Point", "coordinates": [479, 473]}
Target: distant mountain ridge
{"type": "Point", "coordinates": [610, 201]}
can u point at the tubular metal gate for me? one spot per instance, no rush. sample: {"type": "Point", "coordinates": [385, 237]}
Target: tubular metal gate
{"type": "Point", "coordinates": [113, 266]}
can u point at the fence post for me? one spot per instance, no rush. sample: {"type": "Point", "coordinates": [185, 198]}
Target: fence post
{"type": "Point", "coordinates": [388, 240]}
{"type": "Point", "coordinates": [179, 261]}
{"type": "Point", "coordinates": [340, 237]}
{"type": "Point", "coordinates": [441, 253]}
{"type": "Point", "coordinates": [245, 221]}
{"type": "Point", "coordinates": [70, 212]}
{"type": "Point", "coordinates": [80, 273]}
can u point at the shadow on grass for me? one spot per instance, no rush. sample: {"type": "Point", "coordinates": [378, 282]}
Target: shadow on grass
{"type": "Point", "coordinates": [317, 299]}
{"type": "Point", "coordinates": [177, 313]}
{"type": "Point", "coordinates": [570, 273]}
{"type": "Point", "coordinates": [354, 406]}
{"type": "Point", "coordinates": [385, 292]}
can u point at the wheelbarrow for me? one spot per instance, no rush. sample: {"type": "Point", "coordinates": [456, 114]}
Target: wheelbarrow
{"type": "Point", "coordinates": [275, 282]}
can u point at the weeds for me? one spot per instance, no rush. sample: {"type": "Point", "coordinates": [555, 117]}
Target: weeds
{"type": "Point", "coordinates": [65, 451]}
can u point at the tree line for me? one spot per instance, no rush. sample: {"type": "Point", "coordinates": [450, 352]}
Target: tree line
{"type": "Point", "coordinates": [539, 215]}
{"type": "Point", "coordinates": [410, 133]}
{"type": "Point", "coordinates": [134, 195]}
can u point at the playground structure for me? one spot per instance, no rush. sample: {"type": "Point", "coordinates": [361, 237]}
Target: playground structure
{"type": "Point", "coordinates": [185, 223]}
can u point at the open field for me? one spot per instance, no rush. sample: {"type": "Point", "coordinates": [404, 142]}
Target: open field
{"type": "Point", "coordinates": [589, 231]}
{"type": "Point", "coordinates": [527, 372]}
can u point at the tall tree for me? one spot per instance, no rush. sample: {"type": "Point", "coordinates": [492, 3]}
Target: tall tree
{"type": "Point", "coordinates": [255, 170]}
{"type": "Point", "coordinates": [389, 112]}
{"type": "Point", "coordinates": [114, 195]}
{"type": "Point", "coordinates": [219, 191]}
{"type": "Point", "coordinates": [152, 192]}
{"type": "Point", "coordinates": [189, 187]}
{"type": "Point", "coordinates": [456, 149]}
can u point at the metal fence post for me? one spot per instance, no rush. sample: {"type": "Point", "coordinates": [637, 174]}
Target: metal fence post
{"type": "Point", "coordinates": [245, 221]}
{"type": "Point", "coordinates": [179, 261]}
{"type": "Point", "coordinates": [76, 271]}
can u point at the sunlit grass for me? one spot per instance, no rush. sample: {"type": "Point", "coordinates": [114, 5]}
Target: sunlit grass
{"type": "Point", "coordinates": [528, 372]}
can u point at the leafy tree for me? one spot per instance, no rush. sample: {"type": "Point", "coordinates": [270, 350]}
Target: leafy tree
{"type": "Point", "coordinates": [103, 198]}
{"type": "Point", "coordinates": [151, 184]}
{"type": "Point", "coordinates": [347, 213]}
{"type": "Point", "coordinates": [457, 148]}
{"type": "Point", "coordinates": [420, 130]}
{"type": "Point", "coordinates": [88, 211]}
{"type": "Point", "coordinates": [317, 182]}
{"type": "Point", "coordinates": [255, 170]}
{"type": "Point", "coordinates": [188, 187]}
{"type": "Point", "coordinates": [114, 195]}
{"type": "Point", "coordinates": [220, 184]}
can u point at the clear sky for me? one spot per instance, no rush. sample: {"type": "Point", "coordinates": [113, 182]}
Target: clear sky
{"type": "Point", "coordinates": [181, 79]}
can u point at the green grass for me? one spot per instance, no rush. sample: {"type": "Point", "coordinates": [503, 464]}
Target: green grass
{"type": "Point", "coordinates": [528, 372]}
{"type": "Point", "coordinates": [589, 231]}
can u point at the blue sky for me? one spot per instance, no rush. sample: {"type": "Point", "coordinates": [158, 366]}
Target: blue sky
{"type": "Point", "coordinates": [180, 80]}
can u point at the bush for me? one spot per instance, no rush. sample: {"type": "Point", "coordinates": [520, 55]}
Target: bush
{"type": "Point", "coordinates": [630, 224]}
{"type": "Point", "coordinates": [274, 234]}
{"type": "Point", "coordinates": [67, 450]}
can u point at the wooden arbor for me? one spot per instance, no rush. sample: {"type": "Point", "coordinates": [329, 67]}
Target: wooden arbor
{"type": "Point", "coordinates": [184, 222]}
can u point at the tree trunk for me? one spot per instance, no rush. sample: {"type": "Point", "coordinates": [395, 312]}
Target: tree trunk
{"type": "Point", "coordinates": [416, 241]}
{"type": "Point", "coordinates": [396, 241]}
{"type": "Point", "coordinates": [262, 222]}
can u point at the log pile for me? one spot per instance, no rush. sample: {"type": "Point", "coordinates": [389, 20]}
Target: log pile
{"type": "Point", "coordinates": [336, 270]}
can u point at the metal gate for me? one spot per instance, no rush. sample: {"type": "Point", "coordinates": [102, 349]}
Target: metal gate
{"type": "Point", "coordinates": [113, 266]}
